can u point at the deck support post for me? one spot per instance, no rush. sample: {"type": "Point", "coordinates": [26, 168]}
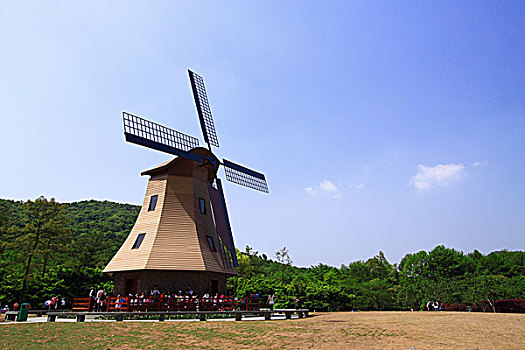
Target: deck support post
{"type": "Point", "coordinates": [161, 318]}
{"type": "Point", "coordinates": [10, 316]}
{"type": "Point", "coordinates": [119, 318]}
{"type": "Point", "coordinates": [288, 315]}
{"type": "Point", "coordinates": [202, 317]}
{"type": "Point", "coordinates": [81, 318]}
{"type": "Point", "coordinates": [267, 316]}
{"type": "Point", "coordinates": [238, 316]}
{"type": "Point", "coordinates": [51, 318]}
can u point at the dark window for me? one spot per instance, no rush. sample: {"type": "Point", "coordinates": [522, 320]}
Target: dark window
{"type": "Point", "coordinates": [202, 206]}
{"type": "Point", "coordinates": [153, 202]}
{"type": "Point", "coordinates": [139, 240]}
{"type": "Point", "coordinates": [211, 244]}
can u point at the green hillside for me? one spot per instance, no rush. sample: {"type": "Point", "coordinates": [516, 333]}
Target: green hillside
{"type": "Point", "coordinates": [75, 242]}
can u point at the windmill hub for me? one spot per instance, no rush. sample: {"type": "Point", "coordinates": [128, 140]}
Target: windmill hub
{"type": "Point", "coordinates": [208, 161]}
{"type": "Point", "coordinates": [182, 236]}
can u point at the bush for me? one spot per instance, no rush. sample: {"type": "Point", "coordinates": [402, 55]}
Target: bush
{"type": "Point", "coordinates": [510, 305]}
{"type": "Point", "coordinates": [457, 307]}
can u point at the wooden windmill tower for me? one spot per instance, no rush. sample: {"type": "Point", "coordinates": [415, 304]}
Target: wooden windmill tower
{"type": "Point", "coordinates": [182, 236]}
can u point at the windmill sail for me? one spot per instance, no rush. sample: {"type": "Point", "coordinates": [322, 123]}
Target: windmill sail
{"type": "Point", "coordinates": [203, 109]}
{"type": "Point", "coordinates": [222, 221]}
{"type": "Point", "coordinates": [243, 176]}
{"type": "Point", "coordinates": [149, 134]}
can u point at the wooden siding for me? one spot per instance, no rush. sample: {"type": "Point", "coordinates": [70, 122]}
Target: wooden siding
{"type": "Point", "coordinates": [176, 245]}
{"type": "Point", "coordinates": [147, 222]}
{"type": "Point", "coordinates": [176, 230]}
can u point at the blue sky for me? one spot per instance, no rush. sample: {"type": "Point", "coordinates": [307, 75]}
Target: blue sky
{"type": "Point", "coordinates": [380, 125]}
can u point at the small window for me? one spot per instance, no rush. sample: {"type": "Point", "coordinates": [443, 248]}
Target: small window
{"type": "Point", "coordinates": [211, 244]}
{"type": "Point", "coordinates": [139, 240]}
{"type": "Point", "coordinates": [153, 202]}
{"type": "Point", "coordinates": [202, 205]}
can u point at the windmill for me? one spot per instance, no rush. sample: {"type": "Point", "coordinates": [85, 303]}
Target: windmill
{"type": "Point", "coordinates": [176, 241]}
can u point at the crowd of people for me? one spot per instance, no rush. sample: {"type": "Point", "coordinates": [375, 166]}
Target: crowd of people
{"type": "Point", "coordinates": [6, 308]}
{"type": "Point", "coordinates": [98, 299]}
{"type": "Point", "coordinates": [187, 300]}
{"type": "Point", "coordinates": [434, 306]}
{"type": "Point", "coordinates": [55, 303]}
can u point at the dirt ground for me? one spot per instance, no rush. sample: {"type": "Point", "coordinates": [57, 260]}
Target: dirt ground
{"type": "Point", "coordinates": [344, 330]}
{"type": "Point", "coordinates": [419, 330]}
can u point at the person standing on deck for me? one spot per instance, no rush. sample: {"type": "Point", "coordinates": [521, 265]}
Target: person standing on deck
{"type": "Point", "coordinates": [101, 300]}
{"type": "Point", "coordinates": [297, 303]}
{"type": "Point", "coordinates": [155, 291]}
{"type": "Point", "coordinates": [270, 300]}
{"type": "Point", "coordinates": [93, 298]}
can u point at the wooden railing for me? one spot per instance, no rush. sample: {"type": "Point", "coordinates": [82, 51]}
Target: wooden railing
{"type": "Point", "coordinates": [133, 304]}
{"type": "Point", "coordinates": [82, 304]}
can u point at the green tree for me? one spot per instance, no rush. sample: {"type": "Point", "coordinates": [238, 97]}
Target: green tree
{"type": "Point", "coordinates": [445, 263]}
{"type": "Point", "coordinates": [5, 213]}
{"type": "Point", "coordinates": [284, 259]}
{"type": "Point", "coordinates": [90, 250]}
{"type": "Point", "coordinates": [43, 230]}
{"type": "Point", "coordinates": [488, 288]}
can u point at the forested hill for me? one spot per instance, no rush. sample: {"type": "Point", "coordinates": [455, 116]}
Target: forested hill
{"type": "Point", "coordinates": [96, 228]}
{"type": "Point", "coordinates": [48, 248]}
{"type": "Point", "coordinates": [100, 227]}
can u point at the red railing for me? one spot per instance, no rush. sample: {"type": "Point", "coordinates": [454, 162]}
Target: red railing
{"type": "Point", "coordinates": [166, 303]}
{"type": "Point", "coordinates": [82, 304]}
{"type": "Point", "coordinates": [117, 304]}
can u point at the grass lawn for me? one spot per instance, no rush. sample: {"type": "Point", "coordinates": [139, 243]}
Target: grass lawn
{"type": "Point", "coordinates": [344, 330]}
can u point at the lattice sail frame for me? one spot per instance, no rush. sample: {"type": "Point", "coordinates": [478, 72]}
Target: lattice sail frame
{"type": "Point", "coordinates": [203, 109]}
{"type": "Point", "coordinates": [151, 131]}
{"type": "Point", "coordinates": [243, 176]}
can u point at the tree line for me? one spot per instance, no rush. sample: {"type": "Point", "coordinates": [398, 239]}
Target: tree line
{"type": "Point", "coordinates": [442, 275]}
{"type": "Point", "coordinates": [60, 249]}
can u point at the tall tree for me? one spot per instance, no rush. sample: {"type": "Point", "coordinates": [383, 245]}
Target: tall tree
{"type": "Point", "coordinates": [283, 258]}
{"type": "Point", "coordinates": [3, 225]}
{"type": "Point", "coordinates": [43, 229]}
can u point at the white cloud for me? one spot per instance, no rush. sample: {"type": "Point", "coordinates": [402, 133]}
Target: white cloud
{"type": "Point", "coordinates": [479, 164]}
{"type": "Point", "coordinates": [309, 190]}
{"type": "Point", "coordinates": [439, 175]}
{"type": "Point", "coordinates": [326, 187]}
{"type": "Point", "coordinates": [358, 186]}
